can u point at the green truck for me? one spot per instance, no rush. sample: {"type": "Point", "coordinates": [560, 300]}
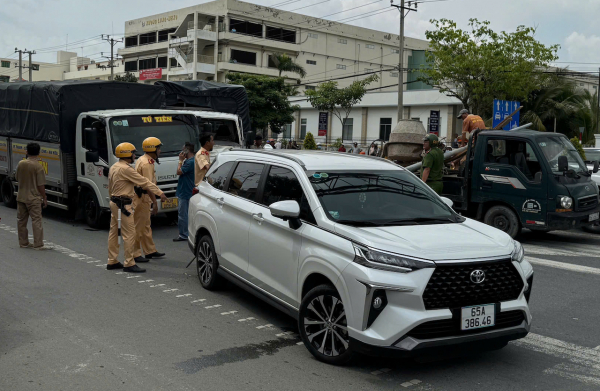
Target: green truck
{"type": "Point", "coordinates": [524, 179]}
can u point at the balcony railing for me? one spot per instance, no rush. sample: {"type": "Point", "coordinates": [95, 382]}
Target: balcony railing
{"type": "Point", "coordinates": [202, 26]}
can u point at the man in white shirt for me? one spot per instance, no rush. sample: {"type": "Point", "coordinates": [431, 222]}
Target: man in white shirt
{"type": "Point", "coordinates": [278, 144]}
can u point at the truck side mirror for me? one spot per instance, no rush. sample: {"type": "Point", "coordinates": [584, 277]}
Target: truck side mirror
{"type": "Point", "coordinates": [91, 139]}
{"type": "Point", "coordinates": [92, 156]}
{"type": "Point", "coordinates": [563, 163]}
{"type": "Point", "coordinates": [595, 169]}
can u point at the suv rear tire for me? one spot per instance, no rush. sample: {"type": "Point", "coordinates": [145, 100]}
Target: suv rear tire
{"type": "Point", "coordinates": [323, 326]}
{"type": "Point", "coordinates": [504, 219]}
{"type": "Point", "coordinates": [207, 264]}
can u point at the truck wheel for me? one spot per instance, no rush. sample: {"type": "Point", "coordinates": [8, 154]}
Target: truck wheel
{"type": "Point", "coordinates": [8, 193]}
{"type": "Point", "coordinates": [594, 228]}
{"type": "Point", "coordinates": [92, 212]}
{"type": "Point", "coordinates": [504, 219]}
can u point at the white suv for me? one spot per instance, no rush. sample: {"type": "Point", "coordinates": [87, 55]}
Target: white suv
{"type": "Point", "coordinates": [360, 251]}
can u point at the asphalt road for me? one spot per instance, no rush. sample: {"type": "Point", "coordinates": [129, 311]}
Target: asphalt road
{"type": "Point", "coordinates": [66, 323]}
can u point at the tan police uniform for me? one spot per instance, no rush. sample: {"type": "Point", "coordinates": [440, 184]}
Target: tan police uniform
{"type": "Point", "coordinates": [201, 159]}
{"type": "Point", "coordinates": [143, 205]}
{"type": "Point", "coordinates": [121, 180]}
{"type": "Point", "coordinates": [30, 174]}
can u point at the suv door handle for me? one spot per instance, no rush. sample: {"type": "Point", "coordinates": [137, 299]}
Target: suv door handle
{"type": "Point", "coordinates": [258, 217]}
{"type": "Point", "coordinates": [221, 201]}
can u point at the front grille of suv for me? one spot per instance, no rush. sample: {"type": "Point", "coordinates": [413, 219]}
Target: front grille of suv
{"type": "Point", "coordinates": [450, 285]}
{"type": "Point", "coordinates": [451, 327]}
{"type": "Point", "coordinates": [588, 202]}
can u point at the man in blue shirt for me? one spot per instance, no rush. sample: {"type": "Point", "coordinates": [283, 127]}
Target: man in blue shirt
{"type": "Point", "coordinates": [185, 185]}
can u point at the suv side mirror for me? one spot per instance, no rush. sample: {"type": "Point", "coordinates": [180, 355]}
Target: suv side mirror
{"type": "Point", "coordinates": [448, 201]}
{"type": "Point", "coordinates": [563, 163]}
{"type": "Point", "coordinates": [288, 211]}
{"type": "Point", "coordinates": [91, 139]}
{"type": "Point", "coordinates": [595, 169]}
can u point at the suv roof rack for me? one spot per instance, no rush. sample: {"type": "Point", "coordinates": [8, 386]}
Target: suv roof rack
{"type": "Point", "coordinates": [272, 152]}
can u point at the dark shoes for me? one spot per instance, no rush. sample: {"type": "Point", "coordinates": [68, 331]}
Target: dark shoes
{"type": "Point", "coordinates": [179, 239]}
{"type": "Point", "coordinates": [134, 269]}
{"type": "Point", "coordinates": [114, 266]}
{"type": "Point", "coordinates": [140, 260]}
{"type": "Point", "coordinates": [155, 254]}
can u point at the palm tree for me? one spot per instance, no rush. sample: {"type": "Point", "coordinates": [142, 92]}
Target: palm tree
{"type": "Point", "coordinates": [285, 63]}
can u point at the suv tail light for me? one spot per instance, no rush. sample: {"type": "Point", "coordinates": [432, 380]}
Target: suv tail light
{"type": "Point", "coordinates": [195, 191]}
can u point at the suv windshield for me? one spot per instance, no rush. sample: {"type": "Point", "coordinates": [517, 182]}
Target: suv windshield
{"type": "Point", "coordinates": [554, 147]}
{"type": "Point", "coordinates": [172, 130]}
{"type": "Point", "coordinates": [378, 198]}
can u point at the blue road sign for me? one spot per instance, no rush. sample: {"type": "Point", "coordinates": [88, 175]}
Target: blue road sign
{"type": "Point", "coordinates": [503, 109]}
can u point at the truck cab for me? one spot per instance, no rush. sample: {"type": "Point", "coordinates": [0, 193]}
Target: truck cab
{"type": "Point", "coordinates": [98, 134]}
{"type": "Point", "coordinates": [226, 128]}
{"type": "Point", "coordinates": [524, 179]}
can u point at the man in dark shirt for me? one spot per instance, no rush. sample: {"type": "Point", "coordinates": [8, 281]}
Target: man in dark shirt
{"type": "Point", "coordinates": [185, 185]}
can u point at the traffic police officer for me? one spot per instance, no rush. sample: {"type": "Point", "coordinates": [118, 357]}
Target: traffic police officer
{"type": "Point", "coordinates": [121, 181]}
{"type": "Point", "coordinates": [433, 163]}
{"type": "Point", "coordinates": [145, 203]}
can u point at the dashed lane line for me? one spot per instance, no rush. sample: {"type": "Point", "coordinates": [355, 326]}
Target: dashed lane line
{"type": "Point", "coordinates": [198, 301]}
{"type": "Point", "coordinates": [266, 326]}
{"type": "Point", "coordinates": [246, 319]}
{"type": "Point", "coordinates": [212, 306]}
{"type": "Point", "coordinates": [228, 313]}
{"type": "Point", "coordinates": [380, 371]}
{"type": "Point", "coordinates": [170, 290]}
{"type": "Point", "coordinates": [564, 266]}
{"type": "Point", "coordinates": [184, 295]}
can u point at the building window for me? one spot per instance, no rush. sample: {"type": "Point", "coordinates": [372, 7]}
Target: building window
{"type": "Point", "coordinates": [243, 57]}
{"type": "Point", "coordinates": [370, 46]}
{"type": "Point", "coordinates": [148, 38]}
{"type": "Point", "coordinates": [131, 66]}
{"type": "Point", "coordinates": [279, 34]}
{"type": "Point", "coordinates": [246, 28]}
{"type": "Point", "coordinates": [394, 74]}
{"type": "Point", "coordinates": [313, 35]}
{"type": "Point", "coordinates": [131, 41]}
{"type": "Point", "coordinates": [397, 51]}
{"type": "Point", "coordinates": [5, 64]}
{"type": "Point", "coordinates": [340, 66]}
{"type": "Point", "coordinates": [385, 128]}
{"type": "Point", "coordinates": [311, 62]}
{"type": "Point", "coordinates": [162, 62]}
{"type": "Point", "coordinates": [148, 63]}
{"type": "Point", "coordinates": [595, 87]}
{"type": "Point", "coordinates": [347, 129]}
{"type": "Point", "coordinates": [581, 84]}
{"type": "Point", "coordinates": [343, 41]}
{"type": "Point", "coordinates": [287, 131]}
{"type": "Point", "coordinates": [163, 35]}
{"type": "Point", "coordinates": [368, 69]}
{"type": "Point", "coordinates": [312, 88]}
{"type": "Point", "coordinates": [4, 79]}
{"type": "Point", "coordinates": [174, 63]}
{"type": "Point", "coordinates": [302, 128]}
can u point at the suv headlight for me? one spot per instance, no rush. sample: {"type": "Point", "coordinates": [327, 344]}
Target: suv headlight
{"type": "Point", "coordinates": [518, 253]}
{"type": "Point", "coordinates": [387, 261]}
{"type": "Point", "coordinates": [565, 202]}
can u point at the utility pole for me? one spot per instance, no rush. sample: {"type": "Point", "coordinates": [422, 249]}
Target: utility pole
{"type": "Point", "coordinates": [30, 63]}
{"type": "Point", "coordinates": [401, 8]}
{"type": "Point", "coordinates": [112, 42]}
{"type": "Point", "coordinates": [20, 63]}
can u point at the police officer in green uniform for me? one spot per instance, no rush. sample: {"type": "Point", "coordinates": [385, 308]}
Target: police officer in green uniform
{"type": "Point", "coordinates": [433, 163]}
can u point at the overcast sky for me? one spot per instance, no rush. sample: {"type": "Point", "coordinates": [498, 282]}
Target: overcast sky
{"type": "Point", "coordinates": [44, 24]}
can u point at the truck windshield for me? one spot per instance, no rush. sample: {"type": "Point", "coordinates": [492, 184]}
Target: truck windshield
{"type": "Point", "coordinates": [554, 147]}
{"type": "Point", "coordinates": [172, 130]}
{"type": "Point", "coordinates": [224, 130]}
{"type": "Point", "coordinates": [379, 198]}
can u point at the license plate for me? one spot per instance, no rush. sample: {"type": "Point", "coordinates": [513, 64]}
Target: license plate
{"type": "Point", "coordinates": [594, 216]}
{"type": "Point", "coordinates": [170, 203]}
{"type": "Point", "coordinates": [478, 316]}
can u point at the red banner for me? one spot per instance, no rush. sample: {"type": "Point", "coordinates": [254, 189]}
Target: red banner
{"type": "Point", "coordinates": [151, 74]}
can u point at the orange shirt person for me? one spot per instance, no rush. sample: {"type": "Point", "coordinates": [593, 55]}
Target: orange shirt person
{"type": "Point", "coordinates": [470, 123]}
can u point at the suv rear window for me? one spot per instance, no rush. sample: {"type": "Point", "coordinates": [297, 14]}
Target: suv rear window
{"type": "Point", "coordinates": [245, 179]}
{"type": "Point", "coordinates": [218, 177]}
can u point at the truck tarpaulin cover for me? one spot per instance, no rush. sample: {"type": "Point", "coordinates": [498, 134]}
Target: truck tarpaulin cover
{"type": "Point", "coordinates": [48, 111]}
{"type": "Point", "coordinates": [226, 98]}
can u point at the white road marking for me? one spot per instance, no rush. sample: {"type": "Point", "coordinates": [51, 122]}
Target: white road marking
{"type": "Point", "coordinates": [213, 306]}
{"type": "Point", "coordinates": [152, 286]}
{"type": "Point", "coordinates": [300, 343]}
{"type": "Point", "coordinates": [100, 265]}
{"type": "Point", "coordinates": [228, 313]}
{"type": "Point", "coordinates": [120, 273]}
{"type": "Point", "coordinates": [184, 295]}
{"type": "Point", "coordinates": [415, 381]}
{"type": "Point", "coordinates": [170, 290]}
{"type": "Point", "coordinates": [570, 250]}
{"type": "Point", "coordinates": [245, 319]}
{"type": "Point", "coordinates": [563, 265]}
{"type": "Point", "coordinates": [266, 326]}
{"type": "Point", "coordinates": [285, 334]}
{"type": "Point", "coordinates": [586, 360]}
{"type": "Point", "coordinates": [133, 277]}
{"type": "Point", "coordinates": [145, 281]}
{"type": "Point", "coordinates": [198, 301]}
{"type": "Point", "coordinates": [96, 261]}
{"type": "Point", "coordinates": [597, 348]}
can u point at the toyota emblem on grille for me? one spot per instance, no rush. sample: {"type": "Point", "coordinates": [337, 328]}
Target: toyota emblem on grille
{"type": "Point", "coordinates": [587, 188]}
{"type": "Point", "coordinates": [477, 276]}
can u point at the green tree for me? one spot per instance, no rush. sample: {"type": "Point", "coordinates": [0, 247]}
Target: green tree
{"type": "Point", "coordinates": [309, 141]}
{"type": "Point", "coordinates": [339, 101]}
{"type": "Point", "coordinates": [578, 147]}
{"type": "Point", "coordinates": [268, 97]}
{"type": "Point", "coordinates": [127, 77]}
{"type": "Point", "coordinates": [479, 64]}
{"type": "Point", "coordinates": [285, 63]}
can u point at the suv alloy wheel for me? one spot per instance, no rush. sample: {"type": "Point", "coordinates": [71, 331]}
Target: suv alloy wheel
{"type": "Point", "coordinates": [207, 264]}
{"type": "Point", "coordinates": [323, 326]}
